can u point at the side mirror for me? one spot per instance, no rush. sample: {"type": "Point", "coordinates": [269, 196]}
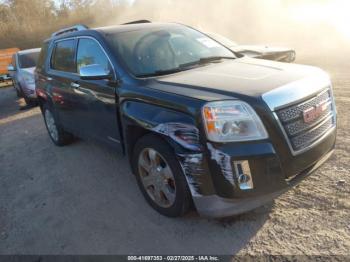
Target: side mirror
{"type": "Point", "coordinates": [94, 72]}
{"type": "Point", "coordinates": [11, 68]}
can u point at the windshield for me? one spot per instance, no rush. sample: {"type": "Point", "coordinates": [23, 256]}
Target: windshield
{"type": "Point", "coordinates": [167, 49]}
{"type": "Point", "coordinates": [28, 60]}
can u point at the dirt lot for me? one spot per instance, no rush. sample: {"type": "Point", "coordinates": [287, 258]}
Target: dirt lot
{"type": "Point", "coordinates": [82, 199]}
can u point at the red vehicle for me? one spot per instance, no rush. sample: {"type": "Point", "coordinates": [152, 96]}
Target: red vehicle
{"type": "Point", "coordinates": [5, 60]}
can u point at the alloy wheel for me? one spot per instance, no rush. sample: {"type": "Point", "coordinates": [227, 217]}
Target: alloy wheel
{"type": "Point", "coordinates": [157, 177]}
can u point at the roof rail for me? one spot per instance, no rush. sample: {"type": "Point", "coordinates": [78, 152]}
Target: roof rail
{"type": "Point", "coordinates": [137, 22]}
{"type": "Point", "coordinates": [70, 29]}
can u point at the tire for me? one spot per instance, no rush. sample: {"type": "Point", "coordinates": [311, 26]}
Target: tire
{"type": "Point", "coordinates": [18, 90]}
{"type": "Point", "coordinates": [167, 192]}
{"type": "Point", "coordinates": [18, 93]}
{"type": "Point", "coordinates": [27, 100]}
{"type": "Point", "coordinates": [57, 134]}
{"type": "Point", "coordinates": [30, 102]}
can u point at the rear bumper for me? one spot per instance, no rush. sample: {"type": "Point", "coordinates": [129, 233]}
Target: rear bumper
{"type": "Point", "coordinates": [217, 206]}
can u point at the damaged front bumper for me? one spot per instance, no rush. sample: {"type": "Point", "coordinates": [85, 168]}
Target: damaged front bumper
{"type": "Point", "coordinates": [29, 90]}
{"type": "Point", "coordinates": [216, 206]}
{"type": "Point", "coordinates": [215, 185]}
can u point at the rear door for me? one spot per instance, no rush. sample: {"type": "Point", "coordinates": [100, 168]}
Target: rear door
{"type": "Point", "coordinates": [62, 75]}
{"type": "Point", "coordinates": [98, 101]}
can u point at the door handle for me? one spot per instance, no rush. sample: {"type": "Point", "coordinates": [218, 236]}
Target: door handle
{"type": "Point", "coordinates": [75, 85]}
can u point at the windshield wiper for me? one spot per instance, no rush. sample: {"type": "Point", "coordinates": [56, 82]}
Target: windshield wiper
{"type": "Point", "coordinates": [164, 72]}
{"type": "Point", "coordinates": [186, 66]}
{"type": "Point", "coordinates": [205, 60]}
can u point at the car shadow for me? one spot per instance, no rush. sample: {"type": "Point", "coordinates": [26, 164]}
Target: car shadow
{"type": "Point", "coordinates": [10, 104]}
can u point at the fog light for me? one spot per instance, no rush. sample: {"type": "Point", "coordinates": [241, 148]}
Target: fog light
{"type": "Point", "coordinates": [244, 176]}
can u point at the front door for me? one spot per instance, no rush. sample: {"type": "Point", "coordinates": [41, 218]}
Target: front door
{"type": "Point", "coordinates": [97, 98]}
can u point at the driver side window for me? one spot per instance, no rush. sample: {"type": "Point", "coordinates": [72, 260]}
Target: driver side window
{"type": "Point", "coordinates": [90, 53]}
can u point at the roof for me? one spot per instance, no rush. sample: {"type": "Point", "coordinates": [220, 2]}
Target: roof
{"type": "Point", "coordinates": [132, 26]}
{"type": "Point", "coordinates": [28, 51]}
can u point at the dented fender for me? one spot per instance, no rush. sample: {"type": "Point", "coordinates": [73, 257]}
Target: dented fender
{"type": "Point", "coordinates": [180, 131]}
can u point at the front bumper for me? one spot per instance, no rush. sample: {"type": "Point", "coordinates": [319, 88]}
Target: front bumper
{"type": "Point", "coordinates": [214, 184]}
{"type": "Point", "coordinates": [216, 206]}
{"type": "Point", "coordinates": [29, 90]}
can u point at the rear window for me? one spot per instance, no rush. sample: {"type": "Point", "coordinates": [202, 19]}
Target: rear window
{"type": "Point", "coordinates": [64, 56]}
{"type": "Point", "coordinates": [28, 60]}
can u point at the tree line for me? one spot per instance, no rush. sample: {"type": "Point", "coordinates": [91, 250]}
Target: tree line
{"type": "Point", "coordinates": [26, 23]}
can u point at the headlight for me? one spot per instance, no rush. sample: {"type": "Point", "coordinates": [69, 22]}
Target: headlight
{"type": "Point", "coordinates": [228, 121]}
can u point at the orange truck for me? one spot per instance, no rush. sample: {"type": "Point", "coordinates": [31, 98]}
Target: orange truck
{"type": "Point", "coordinates": [5, 60]}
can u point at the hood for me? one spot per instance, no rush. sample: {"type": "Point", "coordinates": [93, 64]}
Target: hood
{"type": "Point", "coordinates": [259, 49]}
{"type": "Point", "coordinates": [29, 70]}
{"type": "Point", "coordinates": [240, 77]}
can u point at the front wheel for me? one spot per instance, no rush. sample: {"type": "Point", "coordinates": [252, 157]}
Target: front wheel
{"type": "Point", "coordinates": [29, 102]}
{"type": "Point", "coordinates": [55, 130]}
{"type": "Point", "coordinates": [18, 93]}
{"type": "Point", "coordinates": [160, 177]}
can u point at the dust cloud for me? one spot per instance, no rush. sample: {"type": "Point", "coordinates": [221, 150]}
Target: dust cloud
{"type": "Point", "coordinates": [311, 27]}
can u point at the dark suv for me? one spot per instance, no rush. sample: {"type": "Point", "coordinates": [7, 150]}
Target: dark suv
{"type": "Point", "coordinates": [198, 123]}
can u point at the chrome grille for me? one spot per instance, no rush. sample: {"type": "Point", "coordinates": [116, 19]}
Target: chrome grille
{"type": "Point", "coordinates": [301, 134]}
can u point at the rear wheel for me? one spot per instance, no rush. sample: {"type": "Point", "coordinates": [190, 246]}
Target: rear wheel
{"type": "Point", "coordinates": [160, 177]}
{"type": "Point", "coordinates": [54, 128]}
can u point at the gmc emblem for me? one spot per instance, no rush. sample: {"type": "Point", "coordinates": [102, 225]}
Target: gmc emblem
{"type": "Point", "coordinates": [314, 112]}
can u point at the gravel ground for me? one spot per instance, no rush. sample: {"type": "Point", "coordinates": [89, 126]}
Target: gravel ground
{"type": "Point", "coordinates": [82, 199]}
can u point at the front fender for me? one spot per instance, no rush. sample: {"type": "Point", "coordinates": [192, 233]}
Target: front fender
{"type": "Point", "coordinates": [179, 130]}
{"type": "Point", "coordinates": [177, 127]}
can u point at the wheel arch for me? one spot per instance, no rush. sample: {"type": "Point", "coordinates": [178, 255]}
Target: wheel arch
{"type": "Point", "coordinates": [176, 128]}
{"type": "Point", "coordinates": [179, 130]}
{"type": "Point", "coordinates": [44, 99]}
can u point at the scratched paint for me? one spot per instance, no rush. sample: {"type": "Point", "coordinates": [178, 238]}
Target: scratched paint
{"type": "Point", "coordinates": [192, 163]}
{"type": "Point", "coordinates": [192, 166]}
{"type": "Point", "coordinates": [224, 161]}
{"type": "Point", "coordinates": [184, 134]}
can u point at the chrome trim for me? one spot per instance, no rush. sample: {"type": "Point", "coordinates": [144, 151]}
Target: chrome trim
{"type": "Point", "coordinates": [93, 72]}
{"type": "Point", "coordinates": [76, 51]}
{"type": "Point", "coordinates": [113, 139]}
{"type": "Point", "coordinates": [301, 91]}
{"type": "Point", "coordinates": [315, 124]}
{"type": "Point", "coordinates": [315, 143]}
{"type": "Point", "coordinates": [296, 91]}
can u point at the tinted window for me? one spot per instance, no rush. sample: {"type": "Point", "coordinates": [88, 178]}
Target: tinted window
{"type": "Point", "coordinates": [64, 56]}
{"type": "Point", "coordinates": [28, 60]}
{"type": "Point", "coordinates": [89, 53]}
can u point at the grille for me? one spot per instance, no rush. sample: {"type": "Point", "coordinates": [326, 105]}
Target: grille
{"type": "Point", "coordinates": [302, 134]}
